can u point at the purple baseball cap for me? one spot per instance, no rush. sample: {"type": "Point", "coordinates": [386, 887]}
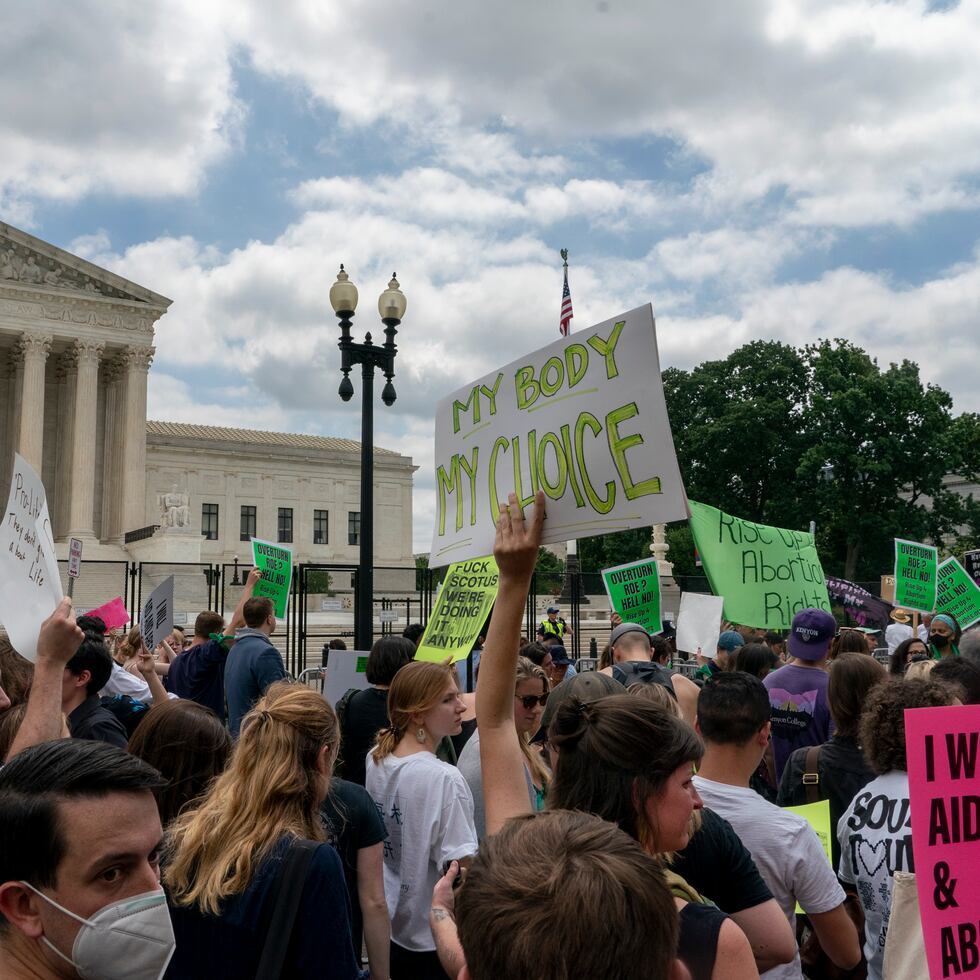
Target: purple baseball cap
{"type": "Point", "coordinates": [811, 633]}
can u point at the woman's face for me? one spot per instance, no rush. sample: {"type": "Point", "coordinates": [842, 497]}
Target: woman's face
{"type": "Point", "coordinates": [939, 628]}
{"type": "Point", "coordinates": [670, 810]}
{"type": "Point", "coordinates": [445, 717]}
{"type": "Point", "coordinates": [918, 648]}
{"type": "Point", "coordinates": [528, 720]}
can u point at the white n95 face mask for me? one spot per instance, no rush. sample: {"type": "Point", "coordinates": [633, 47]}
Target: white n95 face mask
{"type": "Point", "coordinates": [132, 939]}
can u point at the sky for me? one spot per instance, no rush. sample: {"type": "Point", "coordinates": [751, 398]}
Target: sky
{"type": "Point", "coordinates": [757, 169]}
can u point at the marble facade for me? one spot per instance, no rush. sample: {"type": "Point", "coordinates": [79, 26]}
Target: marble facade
{"type": "Point", "coordinates": [76, 345]}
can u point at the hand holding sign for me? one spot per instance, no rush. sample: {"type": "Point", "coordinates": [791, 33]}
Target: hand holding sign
{"type": "Point", "coordinates": [60, 636]}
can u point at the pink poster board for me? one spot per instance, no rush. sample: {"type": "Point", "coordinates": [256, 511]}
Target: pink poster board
{"type": "Point", "coordinates": [112, 613]}
{"type": "Point", "coordinates": [944, 790]}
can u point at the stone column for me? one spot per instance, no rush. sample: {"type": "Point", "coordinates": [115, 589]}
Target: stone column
{"type": "Point", "coordinates": [34, 348]}
{"type": "Point", "coordinates": [131, 469]}
{"type": "Point", "coordinates": [59, 494]}
{"type": "Point", "coordinates": [112, 376]}
{"type": "Point", "coordinates": [81, 511]}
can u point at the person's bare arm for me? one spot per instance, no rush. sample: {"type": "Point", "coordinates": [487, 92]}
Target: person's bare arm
{"type": "Point", "coordinates": [733, 957]}
{"type": "Point", "coordinates": [687, 697]}
{"type": "Point", "coordinates": [238, 617]}
{"type": "Point", "coordinates": [769, 934]}
{"type": "Point", "coordinates": [838, 936]}
{"type": "Point", "coordinates": [515, 549]}
{"type": "Point", "coordinates": [57, 642]}
{"type": "Point", "coordinates": [144, 662]}
{"type": "Point", "coordinates": [442, 921]}
{"type": "Point", "coordinates": [374, 910]}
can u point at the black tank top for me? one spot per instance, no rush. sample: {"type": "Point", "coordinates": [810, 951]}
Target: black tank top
{"type": "Point", "coordinates": [644, 672]}
{"type": "Point", "coordinates": [698, 946]}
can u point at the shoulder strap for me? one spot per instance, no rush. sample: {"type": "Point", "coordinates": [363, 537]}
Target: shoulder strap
{"type": "Point", "coordinates": [286, 894]}
{"type": "Point", "coordinates": [811, 776]}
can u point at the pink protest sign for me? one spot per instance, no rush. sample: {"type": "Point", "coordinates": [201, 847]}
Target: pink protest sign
{"type": "Point", "coordinates": [113, 613]}
{"type": "Point", "coordinates": [943, 747]}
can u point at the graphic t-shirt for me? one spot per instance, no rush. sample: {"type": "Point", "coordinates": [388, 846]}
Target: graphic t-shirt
{"type": "Point", "coordinates": [427, 808]}
{"type": "Point", "coordinates": [800, 714]}
{"type": "Point", "coordinates": [875, 835]}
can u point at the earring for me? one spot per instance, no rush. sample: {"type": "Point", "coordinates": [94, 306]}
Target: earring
{"type": "Point", "coordinates": [420, 735]}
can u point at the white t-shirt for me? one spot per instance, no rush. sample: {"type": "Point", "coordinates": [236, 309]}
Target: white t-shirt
{"type": "Point", "coordinates": [786, 850]}
{"type": "Point", "coordinates": [123, 682]}
{"type": "Point", "coordinates": [875, 834]}
{"type": "Point", "coordinates": [427, 808]}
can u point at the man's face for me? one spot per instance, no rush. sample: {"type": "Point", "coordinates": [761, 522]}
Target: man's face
{"type": "Point", "coordinates": [552, 614]}
{"type": "Point", "coordinates": [72, 685]}
{"type": "Point", "coordinates": [113, 845]}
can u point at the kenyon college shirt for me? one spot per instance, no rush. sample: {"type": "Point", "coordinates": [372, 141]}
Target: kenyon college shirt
{"type": "Point", "coordinates": [786, 850]}
{"type": "Point", "coordinates": [800, 713]}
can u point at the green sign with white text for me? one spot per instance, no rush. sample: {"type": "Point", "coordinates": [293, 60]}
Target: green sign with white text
{"type": "Point", "coordinates": [766, 574]}
{"type": "Point", "coordinates": [276, 564]}
{"type": "Point", "coordinates": [915, 575]}
{"type": "Point", "coordinates": [462, 607]}
{"type": "Point", "coordinates": [634, 592]}
{"type": "Point", "coordinates": [957, 593]}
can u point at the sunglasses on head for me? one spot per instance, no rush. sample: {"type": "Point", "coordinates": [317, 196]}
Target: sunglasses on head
{"type": "Point", "coordinates": [530, 700]}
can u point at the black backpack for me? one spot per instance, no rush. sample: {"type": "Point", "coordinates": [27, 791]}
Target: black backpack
{"type": "Point", "coordinates": [644, 672]}
{"type": "Point", "coordinates": [127, 709]}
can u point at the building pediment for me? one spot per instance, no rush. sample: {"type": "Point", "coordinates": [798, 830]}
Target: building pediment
{"type": "Point", "coordinates": [28, 264]}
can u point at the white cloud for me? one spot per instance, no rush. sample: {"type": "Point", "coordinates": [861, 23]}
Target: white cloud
{"type": "Point", "coordinates": [131, 99]}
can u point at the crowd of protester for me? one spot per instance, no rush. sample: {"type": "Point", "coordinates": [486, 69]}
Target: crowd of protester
{"type": "Point", "coordinates": [191, 812]}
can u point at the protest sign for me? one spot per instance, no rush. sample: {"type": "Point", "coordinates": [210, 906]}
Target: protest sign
{"type": "Point", "coordinates": [817, 815]}
{"type": "Point", "coordinates": [915, 575]}
{"type": "Point", "coordinates": [74, 562]}
{"type": "Point", "coordinates": [766, 574]}
{"type": "Point", "coordinates": [943, 750]}
{"type": "Point", "coordinates": [30, 586]}
{"type": "Point", "coordinates": [863, 607]}
{"type": "Point", "coordinates": [276, 564]}
{"type": "Point", "coordinates": [957, 593]}
{"type": "Point", "coordinates": [345, 669]}
{"type": "Point", "coordinates": [699, 623]}
{"type": "Point", "coordinates": [634, 592]}
{"type": "Point", "coordinates": [113, 613]}
{"type": "Point", "coordinates": [583, 419]}
{"type": "Point", "coordinates": [971, 562]}
{"type": "Point", "coordinates": [464, 602]}
{"type": "Point", "coordinates": [157, 615]}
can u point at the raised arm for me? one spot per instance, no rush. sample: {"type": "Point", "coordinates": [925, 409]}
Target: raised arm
{"type": "Point", "coordinates": [57, 642]}
{"type": "Point", "coordinates": [515, 549]}
{"type": "Point", "coordinates": [238, 618]}
{"type": "Point", "coordinates": [147, 669]}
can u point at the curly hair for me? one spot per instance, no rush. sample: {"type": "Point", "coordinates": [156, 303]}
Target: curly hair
{"type": "Point", "coordinates": [883, 719]}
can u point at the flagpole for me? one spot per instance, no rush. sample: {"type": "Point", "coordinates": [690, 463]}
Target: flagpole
{"type": "Point", "coordinates": [571, 591]}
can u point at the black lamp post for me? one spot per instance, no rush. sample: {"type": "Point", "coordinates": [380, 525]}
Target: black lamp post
{"type": "Point", "coordinates": [391, 306]}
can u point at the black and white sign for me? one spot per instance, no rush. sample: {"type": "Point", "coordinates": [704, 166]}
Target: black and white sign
{"type": "Point", "coordinates": [157, 614]}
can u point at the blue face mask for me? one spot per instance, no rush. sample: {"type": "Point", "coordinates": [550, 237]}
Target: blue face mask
{"type": "Point", "coordinates": [132, 939]}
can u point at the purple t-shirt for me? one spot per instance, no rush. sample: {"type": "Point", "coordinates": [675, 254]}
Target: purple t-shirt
{"type": "Point", "coordinates": [800, 714]}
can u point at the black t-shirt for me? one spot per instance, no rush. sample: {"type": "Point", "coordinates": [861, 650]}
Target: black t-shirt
{"type": "Point", "coordinates": [717, 864]}
{"type": "Point", "coordinates": [198, 674]}
{"type": "Point", "coordinates": [366, 715]}
{"type": "Point", "coordinates": [91, 721]}
{"type": "Point", "coordinates": [353, 821]}
{"type": "Point", "coordinates": [843, 773]}
{"type": "Point", "coordinates": [697, 947]}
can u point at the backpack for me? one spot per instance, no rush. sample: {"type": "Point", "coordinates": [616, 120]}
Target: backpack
{"type": "Point", "coordinates": [643, 672]}
{"type": "Point", "coordinates": [127, 709]}
{"type": "Point", "coordinates": [341, 710]}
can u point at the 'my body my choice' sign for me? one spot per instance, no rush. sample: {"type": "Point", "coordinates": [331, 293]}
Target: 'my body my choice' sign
{"type": "Point", "coordinates": [583, 419]}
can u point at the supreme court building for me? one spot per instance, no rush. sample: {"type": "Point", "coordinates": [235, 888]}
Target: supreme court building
{"type": "Point", "coordinates": [76, 346]}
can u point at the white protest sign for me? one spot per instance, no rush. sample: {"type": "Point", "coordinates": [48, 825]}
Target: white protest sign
{"type": "Point", "coordinates": [157, 615]}
{"type": "Point", "coordinates": [74, 557]}
{"type": "Point", "coordinates": [699, 623]}
{"type": "Point", "coordinates": [583, 419]}
{"type": "Point", "coordinates": [345, 669]}
{"type": "Point", "coordinates": [31, 586]}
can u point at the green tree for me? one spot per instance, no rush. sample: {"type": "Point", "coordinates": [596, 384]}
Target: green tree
{"type": "Point", "coordinates": [786, 436]}
{"type": "Point", "coordinates": [608, 550]}
{"type": "Point", "coordinates": [549, 572]}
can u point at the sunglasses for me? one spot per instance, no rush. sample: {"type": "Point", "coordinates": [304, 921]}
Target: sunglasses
{"type": "Point", "coordinates": [530, 700]}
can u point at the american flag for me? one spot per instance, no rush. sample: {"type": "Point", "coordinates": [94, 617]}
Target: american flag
{"type": "Point", "coordinates": [566, 302]}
